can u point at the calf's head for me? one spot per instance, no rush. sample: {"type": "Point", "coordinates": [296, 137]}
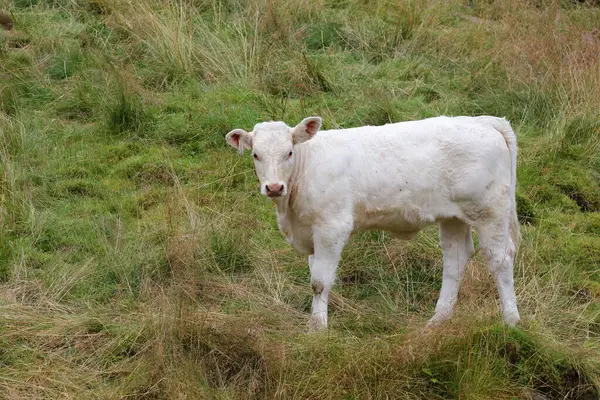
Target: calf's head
{"type": "Point", "coordinates": [272, 145]}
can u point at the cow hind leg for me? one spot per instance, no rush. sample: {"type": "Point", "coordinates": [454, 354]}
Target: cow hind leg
{"type": "Point", "coordinates": [499, 251]}
{"type": "Point", "coordinates": [457, 248]}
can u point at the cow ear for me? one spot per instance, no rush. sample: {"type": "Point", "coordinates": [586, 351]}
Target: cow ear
{"type": "Point", "coordinates": [240, 139]}
{"type": "Point", "coordinates": [306, 129]}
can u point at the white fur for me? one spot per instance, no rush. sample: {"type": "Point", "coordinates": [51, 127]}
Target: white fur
{"type": "Point", "coordinates": [458, 172]}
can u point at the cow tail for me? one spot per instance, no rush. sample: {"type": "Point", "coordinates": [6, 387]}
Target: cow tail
{"type": "Point", "coordinates": [503, 126]}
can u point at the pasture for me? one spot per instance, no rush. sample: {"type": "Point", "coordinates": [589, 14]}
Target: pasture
{"type": "Point", "coordinates": [139, 260]}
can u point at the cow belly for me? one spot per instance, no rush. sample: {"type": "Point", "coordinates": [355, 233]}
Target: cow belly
{"type": "Point", "coordinates": [401, 222]}
{"type": "Point", "coordinates": [407, 218]}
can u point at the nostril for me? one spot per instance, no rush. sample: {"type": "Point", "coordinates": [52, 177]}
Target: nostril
{"type": "Point", "coordinates": [274, 188]}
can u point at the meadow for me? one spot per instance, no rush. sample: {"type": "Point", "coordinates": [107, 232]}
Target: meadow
{"type": "Point", "coordinates": [138, 259]}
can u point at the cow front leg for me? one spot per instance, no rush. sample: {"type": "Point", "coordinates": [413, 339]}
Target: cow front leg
{"type": "Point", "coordinates": [328, 244]}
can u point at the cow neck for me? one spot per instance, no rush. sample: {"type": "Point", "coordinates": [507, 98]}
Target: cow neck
{"type": "Point", "coordinates": [284, 215]}
{"type": "Point", "coordinates": [282, 205]}
{"type": "Point", "coordinates": [285, 204]}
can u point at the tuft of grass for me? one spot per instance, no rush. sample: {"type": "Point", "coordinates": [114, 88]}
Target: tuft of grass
{"type": "Point", "coordinates": [138, 260]}
{"type": "Point", "coordinates": [128, 114]}
{"type": "Point", "coordinates": [525, 210]}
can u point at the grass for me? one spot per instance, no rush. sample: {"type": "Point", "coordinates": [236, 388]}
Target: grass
{"type": "Point", "coordinates": [138, 260]}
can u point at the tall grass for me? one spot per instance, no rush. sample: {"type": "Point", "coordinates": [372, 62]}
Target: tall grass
{"type": "Point", "coordinates": [137, 259]}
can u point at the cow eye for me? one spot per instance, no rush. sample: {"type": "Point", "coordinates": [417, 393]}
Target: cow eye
{"type": "Point", "coordinates": [289, 155]}
{"type": "Point", "coordinates": [255, 156]}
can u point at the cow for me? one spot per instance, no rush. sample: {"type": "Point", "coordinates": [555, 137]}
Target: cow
{"type": "Point", "coordinates": [456, 172]}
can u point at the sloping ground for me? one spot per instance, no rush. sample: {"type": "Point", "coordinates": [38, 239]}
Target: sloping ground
{"type": "Point", "coordinates": [138, 260]}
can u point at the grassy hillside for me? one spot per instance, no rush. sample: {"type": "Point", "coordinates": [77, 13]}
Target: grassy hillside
{"type": "Point", "coordinates": [138, 260]}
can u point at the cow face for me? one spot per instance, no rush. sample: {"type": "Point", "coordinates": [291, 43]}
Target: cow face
{"type": "Point", "coordinates": [272, 145]}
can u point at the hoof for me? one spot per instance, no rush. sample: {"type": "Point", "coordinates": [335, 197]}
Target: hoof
{"type": "Point", "coordinates": [512, 319]}
{"type": "Point", "coordinates": [437, 320]}
{"type": "Point", "coordinates": [316, 324]}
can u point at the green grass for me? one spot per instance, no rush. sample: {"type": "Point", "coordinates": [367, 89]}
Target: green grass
{"type": "Point", "coordinates": [138, 259]}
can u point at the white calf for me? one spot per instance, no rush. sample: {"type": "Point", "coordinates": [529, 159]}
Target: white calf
{"type": "Point", "coordinates": [459, 172]}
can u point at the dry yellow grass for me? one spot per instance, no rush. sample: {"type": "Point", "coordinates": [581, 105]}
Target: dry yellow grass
{"type": "Point", "coordinates": [138, 261]}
